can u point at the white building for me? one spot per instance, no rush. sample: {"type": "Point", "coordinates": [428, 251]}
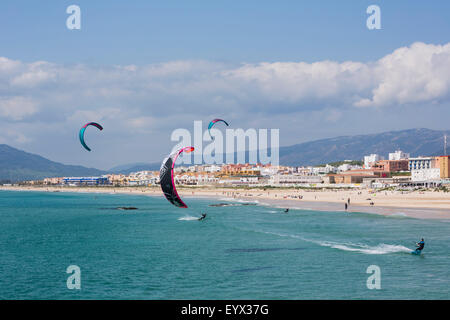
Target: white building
{"type": "Point", "coordinates": [421, 163]}
{"type": "Point", "coordinates": [399, 155]}
{"type": "Point", "coordinates": [142, 178]}
{"type": "Point", "coordinates": [293, 179]}
{"type": "Point", "coordinates": [370, 160]}
{"type": "Point", "coordinates": [324, 170]}
{"type": "Point", "coordinates": [425, 174]}
{"type": "Point", "coordinates": [269, 171]}
{"type": "Point", "coordinates": [212, 168]}
{"type": "Point", "coordinates": [347, 167]}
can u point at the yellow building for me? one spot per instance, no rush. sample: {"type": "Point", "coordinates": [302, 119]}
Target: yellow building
{"type": "Point", "coordinates": [444, 165]}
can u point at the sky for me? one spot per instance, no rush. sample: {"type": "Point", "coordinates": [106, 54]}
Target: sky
{"type": "Point", "coordinates": [145, 68]}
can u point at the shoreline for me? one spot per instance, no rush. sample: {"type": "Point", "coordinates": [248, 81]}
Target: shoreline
{"type": "Point", "coordinates": [420, 205]}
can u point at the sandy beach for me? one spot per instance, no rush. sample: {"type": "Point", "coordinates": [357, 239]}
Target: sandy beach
{"type": "Point", "coordinates": [415, 204]}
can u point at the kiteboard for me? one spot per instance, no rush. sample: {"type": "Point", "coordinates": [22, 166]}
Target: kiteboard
{"type": "Point", "coordinates": [416, 252]}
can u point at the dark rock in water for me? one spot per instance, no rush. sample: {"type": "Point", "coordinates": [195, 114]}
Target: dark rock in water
{"type": "Point", "coordinates": [126, 208]}
{"type": "Point", "coordinates": [219, 204]}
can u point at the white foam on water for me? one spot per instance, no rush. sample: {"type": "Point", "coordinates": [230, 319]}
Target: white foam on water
{"type": "Point", "coordinates": [399, 214]}
{"type": "Point", "coordinates": [238, 200]}
{"type": "Point", "coordinates": [246, 201]}
{"type": "Point", "coordinates": [381, 248]}
{"type": "Point", "coordinates": [188, 218]}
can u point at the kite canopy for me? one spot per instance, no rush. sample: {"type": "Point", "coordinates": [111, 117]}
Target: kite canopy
{"type": "Point", "coordinates": [212, 123]}
{"type": "Point", "coordinates": [83, 129]}
{"type": "Point", "coordinates": [166, 178]}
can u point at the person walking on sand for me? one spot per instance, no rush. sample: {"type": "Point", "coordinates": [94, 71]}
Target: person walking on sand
{"type": "Point", "coordinates": [345, 205]}
{"type": "Point", "coordinates": [348, 201]}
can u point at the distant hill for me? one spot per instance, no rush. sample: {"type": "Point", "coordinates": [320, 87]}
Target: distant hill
{"type": "Point", "coordinates": [135, 167]}
{"type": "Point", "coordinates": [17, 165]}
{"type": "Point", "coordinates": [417, 142]}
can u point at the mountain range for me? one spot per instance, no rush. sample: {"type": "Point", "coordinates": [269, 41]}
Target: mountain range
{"type": "Point", "coordinates": [17, 165]}
{"type": "Point", "coordinates": [417, 142]}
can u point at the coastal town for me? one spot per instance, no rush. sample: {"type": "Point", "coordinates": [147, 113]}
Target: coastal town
{"type": "Point", "coordinates": [373, 171]}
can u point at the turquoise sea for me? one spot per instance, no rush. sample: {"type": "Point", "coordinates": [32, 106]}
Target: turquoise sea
{"type": "Point", "coordinates": [238, 252]}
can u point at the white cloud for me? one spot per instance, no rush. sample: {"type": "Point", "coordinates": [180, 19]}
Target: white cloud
{"type": "Point", "coordinates": [16, 108]}
{"type": "Point", "coordinates": [7, 65]}
{"type": "Point", "coordinates": [143, 104]}
{"type": "Point", "coordinates": [420, 73]}
{"type": "Point", "coordinates": [414, 74]}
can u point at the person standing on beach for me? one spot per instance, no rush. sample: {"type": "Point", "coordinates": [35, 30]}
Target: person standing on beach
{"type": "Point", "coordinates": [345, 205]}
{"type": "Point", "coordinates": [348, 201]}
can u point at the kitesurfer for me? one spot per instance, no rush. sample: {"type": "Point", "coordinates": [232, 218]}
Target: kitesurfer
{"type": "Point", "coordinates": [202, 217]}
{"type": "Point", "coordinates": [420, 246]}
{"type": "Point", "coordinates": [286, 210]}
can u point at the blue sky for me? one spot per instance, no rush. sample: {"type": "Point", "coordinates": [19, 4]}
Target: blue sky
{"type": "Point", "coordinates": [142, 32]}
{"type": "Point", "coordinates": [144, 68]}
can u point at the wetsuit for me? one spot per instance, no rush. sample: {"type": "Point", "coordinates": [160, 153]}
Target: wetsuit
{"type": "Point", "coordinates": [420, 246]}
{"type": "Point", "coordinates": [202, 217]}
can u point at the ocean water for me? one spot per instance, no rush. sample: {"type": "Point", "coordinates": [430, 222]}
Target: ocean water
{"type": "Point", "coordinates": [237, 252]}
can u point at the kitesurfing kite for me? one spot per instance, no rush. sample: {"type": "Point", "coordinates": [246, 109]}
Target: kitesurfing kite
{"type": "Point", "coordinates": [82, 130]}
{"type": "Point", "coordinates": [166, 178]}
{"type": "Point", "coordinates": [212, 123]}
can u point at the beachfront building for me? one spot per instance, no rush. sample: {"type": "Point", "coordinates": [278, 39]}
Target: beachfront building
{"type": "Point", "coordinates": [347, 166]}
{"type": "Point", "coordinates": [385, 182]}
{"type": "Point", "coordinates": [370, 160]}
{"type": "Point", "coordinates": [324, 170]}
{"type": "Point", "coordinates": [356, 176]}
{"type": "Point", "coordinates": [268, 170]}
{"type": "Point", "coordinates": [206, 179]}
{"type": "Point", "coordinates": [425, 169]}
{"type": "Point", "coordinates": [240, 170]}
{"type": "Point", "coordinates": [85, 181]}
{"type": "Point", "coordinates": [53, 181]}
{"type": "Point", "coordinates": [143, 178]}
{"type": "Point", "coordinates": [430, 174]}
{"type": "Point", "coordinates": [399, 155]}
{"type": "Point", "coordinates": [444, 166]}
{"type": "Point", "coordinates": [236, 181]}
{"type": "Point", "coordinates": [212, 168]}
{"type": "Point", "coordinates": [421, 163]}
{"type": "Point", "coordinates": [392, 165]}
{"type": "Point", "coordinates": [117, 179]}
{"type": "Point", "coordinates": [191, 178]}
{"type": "Point", "coordinates": [294, 179]}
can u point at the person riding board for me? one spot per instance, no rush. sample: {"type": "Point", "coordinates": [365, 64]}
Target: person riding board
{"type": "Point", "coordinates": [286, 210]}
{"type": "Point", "coordinates": [420, 246]}
{"type": "Point", "coordinates": [202, 217]}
